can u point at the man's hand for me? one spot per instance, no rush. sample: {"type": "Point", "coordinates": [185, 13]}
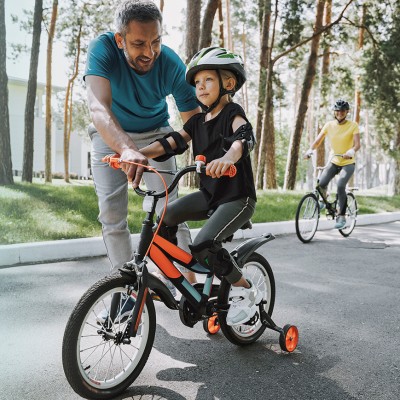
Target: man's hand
{"type": "Point", "coordinates": [133, 172]}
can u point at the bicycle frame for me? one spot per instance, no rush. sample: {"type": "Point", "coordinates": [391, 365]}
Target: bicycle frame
{"type": "Point", "coordinates": [163, 253]}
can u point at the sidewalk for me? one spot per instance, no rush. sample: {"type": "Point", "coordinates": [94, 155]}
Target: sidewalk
{"type": "Point", "coordinates": [41, 252]}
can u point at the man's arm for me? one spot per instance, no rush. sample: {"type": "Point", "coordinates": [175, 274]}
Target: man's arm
{"type": "Point", "coordinates": [99, 102]}
{"type": "Point", "coordinates": [186, 115]}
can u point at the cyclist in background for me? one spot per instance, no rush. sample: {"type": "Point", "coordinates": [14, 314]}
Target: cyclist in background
{"type": "Point", "coordinates": [224, 136]}
{"type": "Point", "coordinates": [344, 138]}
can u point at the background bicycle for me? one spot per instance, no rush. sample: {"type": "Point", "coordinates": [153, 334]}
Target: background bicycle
{"type": "Point", "coordinates": [313, 203]}
{"type": "Point", "coordinates": [103, 356]}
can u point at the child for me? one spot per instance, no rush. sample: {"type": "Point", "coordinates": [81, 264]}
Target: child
{"type": "Point", "coordinates": [224, 136]}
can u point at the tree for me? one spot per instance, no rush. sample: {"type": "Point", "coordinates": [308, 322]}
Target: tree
{"type": "Point", "coordinates": [382, 77]}
{"type": "Point", "coordinates": [50, 39]}
{"type": "Point", "coordinates": [291, 170]}
{"type": "Point", "coordinates": [27, 168]}
{"type": "Point", "coordinates": [193, 11]}
{"type": "Point", "coordinates": [208, 19]}
{"type": "Point", "coordinates": [6, 176]}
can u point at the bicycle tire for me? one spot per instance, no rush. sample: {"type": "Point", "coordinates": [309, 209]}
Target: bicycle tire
{"type": "Point", "coordinates": [351, 215]}
{"type": "Point", "coordinates": [307, 217]}
{"type": "Point", "coordinates": [96, 366]}
{"type": "Point", "coordinates": [260, 272]}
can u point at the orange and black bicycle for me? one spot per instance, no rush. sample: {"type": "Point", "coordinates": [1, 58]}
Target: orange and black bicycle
{"type": "Point", "coordinates": [102, 356]}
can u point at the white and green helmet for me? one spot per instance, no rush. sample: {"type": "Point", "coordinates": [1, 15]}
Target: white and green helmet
{"type": "Point", "coordinates": [216, 58]}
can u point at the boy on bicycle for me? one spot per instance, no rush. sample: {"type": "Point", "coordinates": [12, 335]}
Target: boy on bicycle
{"type": "Point", "coordinates": [224, 136]}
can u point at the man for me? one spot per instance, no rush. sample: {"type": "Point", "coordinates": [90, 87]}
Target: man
{"type": "Point", "coordinates": [344, 137]}
{"type": "Point", "coordinates": [128, 75]}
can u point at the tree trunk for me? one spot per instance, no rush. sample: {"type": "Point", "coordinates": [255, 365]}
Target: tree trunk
{"type": "Point", "coordinates": [193, 11]}
{"type": "Point", "coordinates": [221, 24]}
{"type": "Point", "coordinates": [396, 172]}
{"type": "Point", "coordinates": [161, 5]}
{"type": "Point", "coordinates": [27, 169]}
{"type": "Point", "coordinates": [325, 84]}
{"type": "Point", "coordinates": [266, 169]}
{"type": "Point", "coordinates": [264, 19]}
{"type": "Point", "coordinates": [68, 104]}
{"type": "Point", "coordinates": [291, 167]}
{"type": "Point", "coordinates": [6, 175]}
{"type": "Point", "coordinates": [208, 19]}
{"type": "Point", "coordinates": [50, 39]}
{"type": "Point", "coordinates": [228, 25]}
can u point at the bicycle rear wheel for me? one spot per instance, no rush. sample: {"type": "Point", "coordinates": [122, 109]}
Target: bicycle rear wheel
{"type": "Point", "coordinates": [259, 271]}
{"type": "Point", "coordinates": [307, 217]}
{"type": "Point", "coordinates": [351, 215]}
{"type": "Point", "coordinates": [99, 362]}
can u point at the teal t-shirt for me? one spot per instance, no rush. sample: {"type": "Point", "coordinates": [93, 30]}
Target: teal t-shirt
{"type": "Point", "coordinates": [139, 101]}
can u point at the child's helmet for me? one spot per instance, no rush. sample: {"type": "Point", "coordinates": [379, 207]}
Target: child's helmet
{"type": "Point", "coordinates": [341, 105]}
{"type": "Point", "coordinates": [216, 58]}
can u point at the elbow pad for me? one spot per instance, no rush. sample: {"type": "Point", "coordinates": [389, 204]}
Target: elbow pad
{"type": "Point", "coordinates": [245, 135]}
{"type": "Point", "coordinates": [181, 146]}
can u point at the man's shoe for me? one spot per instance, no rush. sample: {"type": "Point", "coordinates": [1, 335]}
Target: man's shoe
{"type": "Point", "coordinates": [127, 307]}
{"type": "Point", "coordinates": [340, 222]}
{"type": "Point", "coordinates": [243, 304]}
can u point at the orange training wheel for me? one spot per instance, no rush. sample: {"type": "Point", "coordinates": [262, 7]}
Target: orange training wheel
{"type": "Point", "coordinates": [289, 338]}
{"type": "Point", "coordinates": [211, 325]}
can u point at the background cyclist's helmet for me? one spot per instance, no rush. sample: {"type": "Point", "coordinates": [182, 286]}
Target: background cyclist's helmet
{"type": "Point", "coordinates": [341, 105]}
{"type": "Point", "coordinates": [216, 58]}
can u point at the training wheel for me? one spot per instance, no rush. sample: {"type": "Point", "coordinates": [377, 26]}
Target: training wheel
{"type": "Point", "coordinates": [289, 338]}
{"type": "Point", "coordinates": [211, 325]}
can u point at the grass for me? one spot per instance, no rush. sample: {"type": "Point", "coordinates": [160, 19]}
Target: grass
{"type": "Point", "coordinates": [39, 212]}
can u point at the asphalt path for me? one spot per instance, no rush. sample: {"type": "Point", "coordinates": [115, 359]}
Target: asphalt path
{"type": "Point", "coordinates": [343, 295]}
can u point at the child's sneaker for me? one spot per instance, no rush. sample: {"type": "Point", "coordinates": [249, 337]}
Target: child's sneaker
{"type": "Point", "coordinates": [243, 304]}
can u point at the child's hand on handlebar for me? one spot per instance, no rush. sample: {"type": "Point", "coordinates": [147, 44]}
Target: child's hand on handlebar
{"type": "Point", "coordinates": [218, 167]}
{"type": "Point", "coordinates": [133, 172]}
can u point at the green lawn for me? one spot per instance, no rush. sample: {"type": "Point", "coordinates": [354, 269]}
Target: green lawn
{"type": "Point", "coordinates": [39, 212]}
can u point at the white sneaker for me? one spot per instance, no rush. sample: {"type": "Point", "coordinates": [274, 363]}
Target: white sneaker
{"type": "Point", "coordinates": [243, 304]}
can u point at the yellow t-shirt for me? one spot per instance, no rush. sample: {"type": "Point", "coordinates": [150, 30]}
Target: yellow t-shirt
{"type": "Point", "coordinates": [341, 138]}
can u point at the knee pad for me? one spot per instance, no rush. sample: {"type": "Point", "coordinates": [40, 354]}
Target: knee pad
{"type": "Point", "coordinates": [214, 257]}
{"type": "Point", "coordinates": [168, 233]}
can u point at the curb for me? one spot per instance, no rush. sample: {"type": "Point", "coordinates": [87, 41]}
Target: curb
{"type": "Point", "coordinates": [42, 252]}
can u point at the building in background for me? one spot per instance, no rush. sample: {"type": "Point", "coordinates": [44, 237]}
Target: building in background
{"type": "Point", "coordinates": [79, 162]}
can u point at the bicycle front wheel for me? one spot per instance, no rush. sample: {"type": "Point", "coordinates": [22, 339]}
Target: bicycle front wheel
{"type": "Point", "coordinates": [258, 270]}
{"type": "Point", "coordinates": [99, 361]}
{"type": "Point", "coordinates": [351, 215]}
{"type": "Point", "coordinates": [307, 217]}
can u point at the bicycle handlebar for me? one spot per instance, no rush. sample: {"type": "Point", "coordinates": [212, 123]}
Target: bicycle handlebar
{"type": "Point", "coordinates": [115, 161]}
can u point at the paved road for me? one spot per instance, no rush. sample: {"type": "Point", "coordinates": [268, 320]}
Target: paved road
{"type": "Point", "coordinates": [343, 294]}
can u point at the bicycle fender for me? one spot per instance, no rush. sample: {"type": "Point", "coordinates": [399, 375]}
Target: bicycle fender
{"type": "Point", "coordinates": [162, 291]}
{"type": "Point", "coordinates": [242, 252]}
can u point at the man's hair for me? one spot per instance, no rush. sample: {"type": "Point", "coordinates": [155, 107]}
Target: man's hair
{"type": "Point", "coordinates": [135, 10]}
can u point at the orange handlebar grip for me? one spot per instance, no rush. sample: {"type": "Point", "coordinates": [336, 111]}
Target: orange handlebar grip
{"type": "Point", "coordinates": [112, 160]}
{"type": "Point", "coordinates": [231, 171]}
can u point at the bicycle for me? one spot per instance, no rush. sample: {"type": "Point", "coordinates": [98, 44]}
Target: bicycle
{"type": "Point", "coordinates": [102, 358]}
{"type": "Point", "coordinates": [309, 208]}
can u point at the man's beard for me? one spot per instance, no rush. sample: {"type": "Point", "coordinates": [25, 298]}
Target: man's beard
{"type": "Point", "coordinates": [135, 65]}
